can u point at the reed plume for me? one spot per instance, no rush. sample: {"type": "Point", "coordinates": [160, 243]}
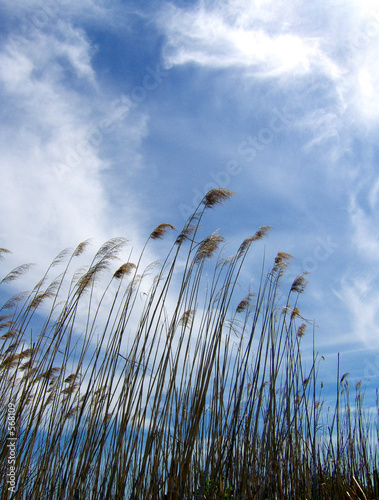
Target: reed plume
{"type": "Point", "coordinates": [164, 385]}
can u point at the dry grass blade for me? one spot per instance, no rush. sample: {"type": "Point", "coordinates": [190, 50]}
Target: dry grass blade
{"type": "Point", "coordinates": [159, 395]}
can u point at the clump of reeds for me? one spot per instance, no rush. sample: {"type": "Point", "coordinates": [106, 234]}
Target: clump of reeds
{"type": "Point", "coordinates": [122, 393]}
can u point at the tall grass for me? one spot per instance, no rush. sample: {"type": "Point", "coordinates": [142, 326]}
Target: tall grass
{"type": "Point", "coordinates": [119, 391]}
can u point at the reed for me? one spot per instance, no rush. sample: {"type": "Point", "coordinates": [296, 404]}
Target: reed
{"type": "Point", "coordinates": [119, 391]}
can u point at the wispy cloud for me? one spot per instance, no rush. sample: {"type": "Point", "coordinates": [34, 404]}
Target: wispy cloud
{"type": "Point", "coordinates": [330, 48]}
{"type": "Point", "coordinates": [250, 37]}
{"type": "Point", "coordinates": [54, 142]}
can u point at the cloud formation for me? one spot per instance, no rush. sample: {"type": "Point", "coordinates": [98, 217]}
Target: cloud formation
{"type": "Point", "coordinates": [56, 124]}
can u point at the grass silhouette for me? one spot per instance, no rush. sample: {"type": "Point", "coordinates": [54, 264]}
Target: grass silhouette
{"type": "Point", "coordinates": [117, 391]}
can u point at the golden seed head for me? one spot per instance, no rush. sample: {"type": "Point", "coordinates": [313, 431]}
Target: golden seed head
{"type": "Point", "coordinates": [262, 231]}
{"type": "Point", "coordinates": [301, 330]}
{"type": "Point", "coordinates": [281, 261]}
{"type": "Point", "coordinates": [299, 284]}
{"type": "Point", "coordinates": [295, 312]}
{"type": "Point", "coordinates": [216, 196]}
{"type": "Point", "coordinates": [244, 303]}
{"type": "Point", "coordinates": [208, 246]}
{"type": "Point", "coordinates": [124, 270]}
{"type": "Point", "coordinates": [160, 231]}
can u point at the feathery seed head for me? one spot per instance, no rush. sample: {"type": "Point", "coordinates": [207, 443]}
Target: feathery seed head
{"type": "Point", "coordinates": [27, 353]}
{"type": "Point", "coordinates": [208, 246]}
{"type": "Point", "coordinates": [72, 412]}
{"type": "Point", "coordinates": [40, 298]}
{"type": "Point", "coordinates": [28, 366]}
{"type": "Point", "coordinates": [81, 248]}
{"type": "Point", "coordinates": [13, 301]}
{"type": "Point", "coordinates": [16, 273]}
{"type": "Point", "coordinates": [259, 234]}
{"type": "Point", "coordinates": [301, 330]}
{"type": "Point", "coordinates": [9, 362]}
{"type": "Point", "coordinates": [281, 261]}
{"type": "Point", "coordinates": [244, 303]}
{"type": "Point", "coordinates": [186, 233]}
{"type": "Point", "coordinates": [216, 196]}
{"type": "Point", "coordinates": [71, 378]}
{"type": "Point", "coordinates": [160, 231]}
{"type": "Point", "coordinates": [60, 257]}
{"type": "Point", "coordinates": [70, 389]}
{"type": "Point", "coordinates": [10, 334]}
{"type": "Point", "coordinates": [299, 284]}
{"type": "Point", "coordinates": [3, 250]}
{"type": "Point", "coordinates": [110, 249]}
{"type": "Point", "coordinates": [262, 231]}
{"type": "Point", "coordinates": [124, 270]}
{"type": "Point", "coordinates": [295, 312]}
{"type": "Point", "coordinates": [6, 324]}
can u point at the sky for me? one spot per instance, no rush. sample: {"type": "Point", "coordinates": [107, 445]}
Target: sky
{"type": "Point", "coordinates": [120, 115]}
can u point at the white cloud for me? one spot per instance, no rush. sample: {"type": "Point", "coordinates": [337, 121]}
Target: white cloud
{"type": "Point", "coordinates": [247, 40]}
{"type": "Point", "coordinates": [54, 132]}
{"type": "Point", "coordinates": [365, 227]}
{"type": "Point", "coordinates": [361, 299]}
{"type": "Point", "coordinates": [333, 47]}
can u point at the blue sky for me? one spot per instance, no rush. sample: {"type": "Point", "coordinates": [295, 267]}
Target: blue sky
{"type": "Point", "coordinates": [119, 115]}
